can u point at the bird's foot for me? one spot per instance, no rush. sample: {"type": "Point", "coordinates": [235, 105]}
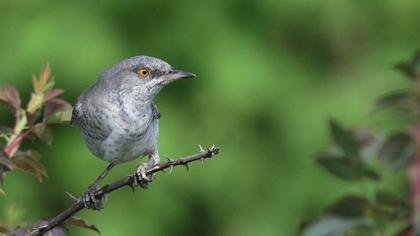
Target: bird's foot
{"type": "Point", "coordinates": [140, 176]}
{"type": "Point", "coordinates": [90, 201]}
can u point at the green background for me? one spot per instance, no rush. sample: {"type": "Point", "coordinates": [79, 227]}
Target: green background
{"type": "Point", "coordinates": [270, 74]}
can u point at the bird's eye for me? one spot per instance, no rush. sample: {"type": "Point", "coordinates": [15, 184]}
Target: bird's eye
{"type": "Point", "coordinates": [143, 72]}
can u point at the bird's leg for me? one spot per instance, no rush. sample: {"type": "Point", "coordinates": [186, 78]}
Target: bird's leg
{"type": "Point", "coordinates": [89, 199]}
{"type": "Point", "coordinates": [140, 177]}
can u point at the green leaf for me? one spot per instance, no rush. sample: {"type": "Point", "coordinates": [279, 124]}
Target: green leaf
{"type": "Point", "coordinates": [35, 103]}
{"type": "Point", "coordinates": [343, 138]}
{"type": "Point", "coordinates": [347, 168]}
{"type": "Point", "coordinates": [411, 68]}
{"type": "Point", "coordinates": [48, 86]}
{"type": "Point", "coordinates": [44, 133]}
{"type": "Point", "coordinates": [387, 198]}
{"type": "Point", "coordinates": [77, 221]}
{"type": "Point", "coordinates": [397, 151]}
{"type": "Point", "coordinates": [403, 99]}
{"type": "Point", "coordinates": [5, 132]}
{"type": "Point", "coordinates": [350, 206]}
{"type": "Point", "coordinates": [30, 162]}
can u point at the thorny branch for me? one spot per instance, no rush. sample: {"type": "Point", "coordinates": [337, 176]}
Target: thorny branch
{"type": "Point", "coordinates": [127, 181]}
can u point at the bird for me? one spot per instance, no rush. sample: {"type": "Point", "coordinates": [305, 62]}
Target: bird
{"type": "Point", "coordinates": [118, 118]}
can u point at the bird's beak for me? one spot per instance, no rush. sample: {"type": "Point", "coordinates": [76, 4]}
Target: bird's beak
{"type": "Point", "coordinates": [180, 74]}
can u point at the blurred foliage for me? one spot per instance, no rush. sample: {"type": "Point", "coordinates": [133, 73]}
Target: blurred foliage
{"type": "Point", "coordinates": [43, 109]}
{"type": "Point", "coordinates": [270, 73]}
{"type": "Point", "coordinates": [378, 212]}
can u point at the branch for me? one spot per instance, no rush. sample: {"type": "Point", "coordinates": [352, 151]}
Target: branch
{"type": "Point", "coordinates": [127, 181]}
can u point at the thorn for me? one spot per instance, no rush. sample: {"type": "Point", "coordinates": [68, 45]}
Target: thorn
{"type": "Point", "coordinates": [132, 187]}
{"type": "Point", "coordinates": [186, 166]}
{"type": "Point", "coordinates": [202, 162]}
{"type": "Point", "coordinates": [71, 196]}
{"type": "Point", "coordinates": [169, 159]}
{"type": "Point", "coordinates": [212, 147]}
{"type": "Point", "coordinates": [170, 169]}
{"type": "Point", "coordinates": [201, 148]}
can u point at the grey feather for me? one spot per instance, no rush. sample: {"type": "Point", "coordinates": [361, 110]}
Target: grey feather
{"type": "Point", "coordinates": [117, 116]}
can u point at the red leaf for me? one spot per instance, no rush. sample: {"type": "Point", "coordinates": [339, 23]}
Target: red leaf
{"type": "Point", "coordinates": [77, 221]}
{"type": "Point", "coordinates": [55, 105]}
{"type": "Point", "coordinates": [31, 118]}
{"type": "Point", "coordinates": [30, 162]}
{"type": "Point", "coordinates": [10, 96]}
{"type": "Point", "coordinates": [52, 94]}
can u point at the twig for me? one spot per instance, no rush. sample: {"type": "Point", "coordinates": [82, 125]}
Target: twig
{"type": "Point", "coordinates": [127, 181]}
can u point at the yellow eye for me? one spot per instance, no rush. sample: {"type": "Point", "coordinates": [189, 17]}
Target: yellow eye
{"type": "Point", "coordinates": [143, 72]}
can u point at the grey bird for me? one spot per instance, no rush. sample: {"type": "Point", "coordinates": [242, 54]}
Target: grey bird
{"type": "Point", "coordinates": [118, 118]}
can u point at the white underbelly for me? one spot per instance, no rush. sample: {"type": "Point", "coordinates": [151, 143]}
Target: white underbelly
{"type": "Point", "coordinates": [123, 147]}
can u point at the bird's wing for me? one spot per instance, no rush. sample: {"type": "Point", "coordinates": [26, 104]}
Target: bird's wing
{"type": "Point", "coordinates": [156, 113]}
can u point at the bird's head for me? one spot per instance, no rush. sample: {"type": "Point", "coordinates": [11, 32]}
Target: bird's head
{"type": "Point", "coordinates": [144, 73]}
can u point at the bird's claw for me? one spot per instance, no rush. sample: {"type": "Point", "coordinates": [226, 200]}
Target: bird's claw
{"type": "Point", "coordinates": [90, 201]}
{"type": "Point", "coordinates": [141, 178]}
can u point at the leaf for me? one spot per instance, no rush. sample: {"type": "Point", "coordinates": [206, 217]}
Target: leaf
{"type": "Point", "coordinates": [347, 168]}
{"type": "Point", "coordinates": [390, 199]}
{"type": "Point", "coordinates": [350, 206]}
{"type": "Point", "coordinates": [35, 103]}
{"type": "Point", "coordinates": [5, 160]}
{"type": "Point", "coordinates": [397, 151]}
{"type": "Point", "coordinates": [410, 68]}
{"type": "Point", "coordinates": [18, 231]}
{"type": "Point", "coordinates": [330, 225]}
{"type": "Point", "coordinates": [361, 230]}
{"type": "Point", "coordinates": [52, 94]}
{"type": "Point", "coordinates": [48, 86]}
{"type": "Point", "coordinates": [30, 162]}
{"type": "Point", "coordinates": [402, 99]}
{"type": "Point", "coordinates": [44, 133]}
{"type": "Point", "coordinates": [45, 74]}
{"type": "Point", "coordinates": [57, 231]}
{"type": "Point", "coordinates": [57, 111]}
{"type": "Point", "coordinates": [6, 165]}
{"type": "Point", "coordinates": [9, 95]}
{"type": "Point", "coordinates": [77, 221]}
{"type": "Point", "coordinates": [389, 208]}
{"type": "Point", "coordinates": [36, 84]}
{"type": "Point", "coordinates": [343, 139]}
{"type": "Point", "coordinates": [406, 231]}
{"type": "Point", "coordinates": [60, 117]}
{"type": "Point", "coordinates": [5, 132]}
{"type": "Point", "coordinates": [31, 118]}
